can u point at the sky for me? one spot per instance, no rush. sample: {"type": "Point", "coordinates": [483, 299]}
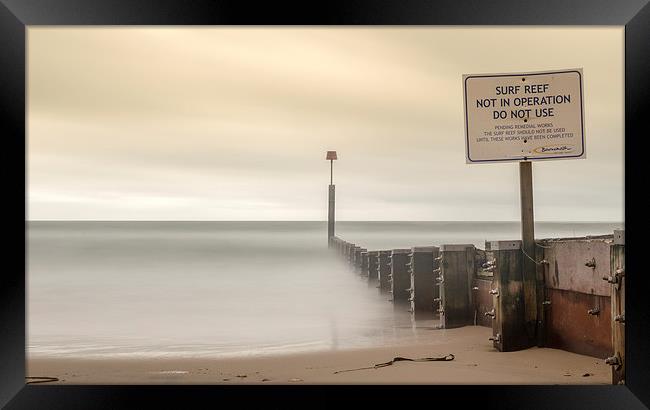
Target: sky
{"type": "Point", "coordinates": [225, 123]}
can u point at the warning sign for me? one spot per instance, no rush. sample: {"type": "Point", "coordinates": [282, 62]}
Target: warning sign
{"type": "Point", "coordinates": [524, 116]}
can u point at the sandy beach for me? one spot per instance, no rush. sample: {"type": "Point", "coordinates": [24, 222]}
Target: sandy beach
{"type": "Point", "coordinates": [476, 362]}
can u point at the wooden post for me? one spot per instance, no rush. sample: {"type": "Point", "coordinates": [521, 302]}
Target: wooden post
{"type": "Point", "coordinates": [365, 259]}
{"type": "Point", "coordinates": [358, 258]}
{"type": "Point", "coordinates": [399, 277]}
{"type": "Point", "coordinates": [335, 243]}
{"type": "Point", "coordinates": [373, 260]}
{"type": "Point", "coordinates": [330, 214]}
{"type": "Point", "coordinates": [383, 271]}
{"type": "Point", "coordinates": [528, 247]}
{"type": "Point", "coordinates": [482, 284]}
{"type": "Point", "coordinates": [617, 279]}
{"type": "Point", "coordinates": [508, 325]}
{"type": "Point", "coordinates": [456, 275]}
{"type": "Point", "coordinates": [351, 251]}
{"type": "Point", "coordinates": [353, 255]}
{"type": "Point", "coordinates": [346, 251]}
{"type": "Point", "coordinates": [541, 295]}
{"type": "Point", "coordinates": [331, 172]}
{"type": "Point", "coordinates": [331, 156]}
{"type": "Point", "coordinates": [424, 289]}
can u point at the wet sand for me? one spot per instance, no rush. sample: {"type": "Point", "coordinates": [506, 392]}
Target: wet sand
{"type": "Point", "coordinates": [476, 362]}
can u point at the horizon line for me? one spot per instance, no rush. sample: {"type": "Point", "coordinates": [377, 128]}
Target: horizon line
{"type": "Point", "coordinates": [302, 220]}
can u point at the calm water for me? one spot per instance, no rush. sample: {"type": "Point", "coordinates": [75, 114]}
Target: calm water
{"type": "Point", "coordinates": [116, 289]}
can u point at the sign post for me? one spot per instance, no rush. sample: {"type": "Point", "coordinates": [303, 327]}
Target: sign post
{"type": "Point", "coordinates": [331, 156]}
{"type": "Point", "coordinates": [524, 117]}
{"type": "Point", "coordinates": [528, 246]}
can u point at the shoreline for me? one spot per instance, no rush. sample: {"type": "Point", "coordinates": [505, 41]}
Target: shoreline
{"type": "Point", "coordinates": [476, 362]}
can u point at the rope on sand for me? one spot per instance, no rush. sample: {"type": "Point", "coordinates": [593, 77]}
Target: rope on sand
{"type": "Point", "coordinates": [446, 358]}
{"type": "Point", "coordinates": [40, 379]}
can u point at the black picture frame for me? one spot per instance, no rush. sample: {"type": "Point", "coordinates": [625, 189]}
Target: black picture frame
{"type": "Point", "coordinates": [16, 15]}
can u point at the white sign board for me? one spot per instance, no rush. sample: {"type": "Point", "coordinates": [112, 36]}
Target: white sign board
{"type": "Point", "coordinates": [524, 116]}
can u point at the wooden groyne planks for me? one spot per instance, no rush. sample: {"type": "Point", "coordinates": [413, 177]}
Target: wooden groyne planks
{"type": "Point", "coordinates": [576, 315]}
{"type": "Point", "coordinates": [580, 285]}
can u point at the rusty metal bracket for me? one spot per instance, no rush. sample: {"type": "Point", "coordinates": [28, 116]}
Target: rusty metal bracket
{"type": "Point", "coordinates": [615, 361]}
{"type": "Point", "coordinates": [594, 311]}
{"type": "Point", "coordinates": [591, 263]}
{"type": "Point", "coordinates": [614, 280]}
{"type": "Point", "coordinates": [491, 313]}
{"type": "Point", "coordinates": [488, 264]}
{"type": "Point", "coordinates": [620, 318]}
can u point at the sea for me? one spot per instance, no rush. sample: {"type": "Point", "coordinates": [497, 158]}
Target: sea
{"type": "Point", "coordinates": [121, 289]}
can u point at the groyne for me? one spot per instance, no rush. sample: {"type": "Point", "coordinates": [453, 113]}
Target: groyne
{"type": "Point", "coordinates": [574, 300]}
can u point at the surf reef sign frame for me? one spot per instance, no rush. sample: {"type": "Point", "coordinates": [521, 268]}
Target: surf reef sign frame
{"type": "Point", "coordinates": [524, 116]}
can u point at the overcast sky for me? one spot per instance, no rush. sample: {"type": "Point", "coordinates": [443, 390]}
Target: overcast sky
{"type": "Point", "coordinates": [233, 123]}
